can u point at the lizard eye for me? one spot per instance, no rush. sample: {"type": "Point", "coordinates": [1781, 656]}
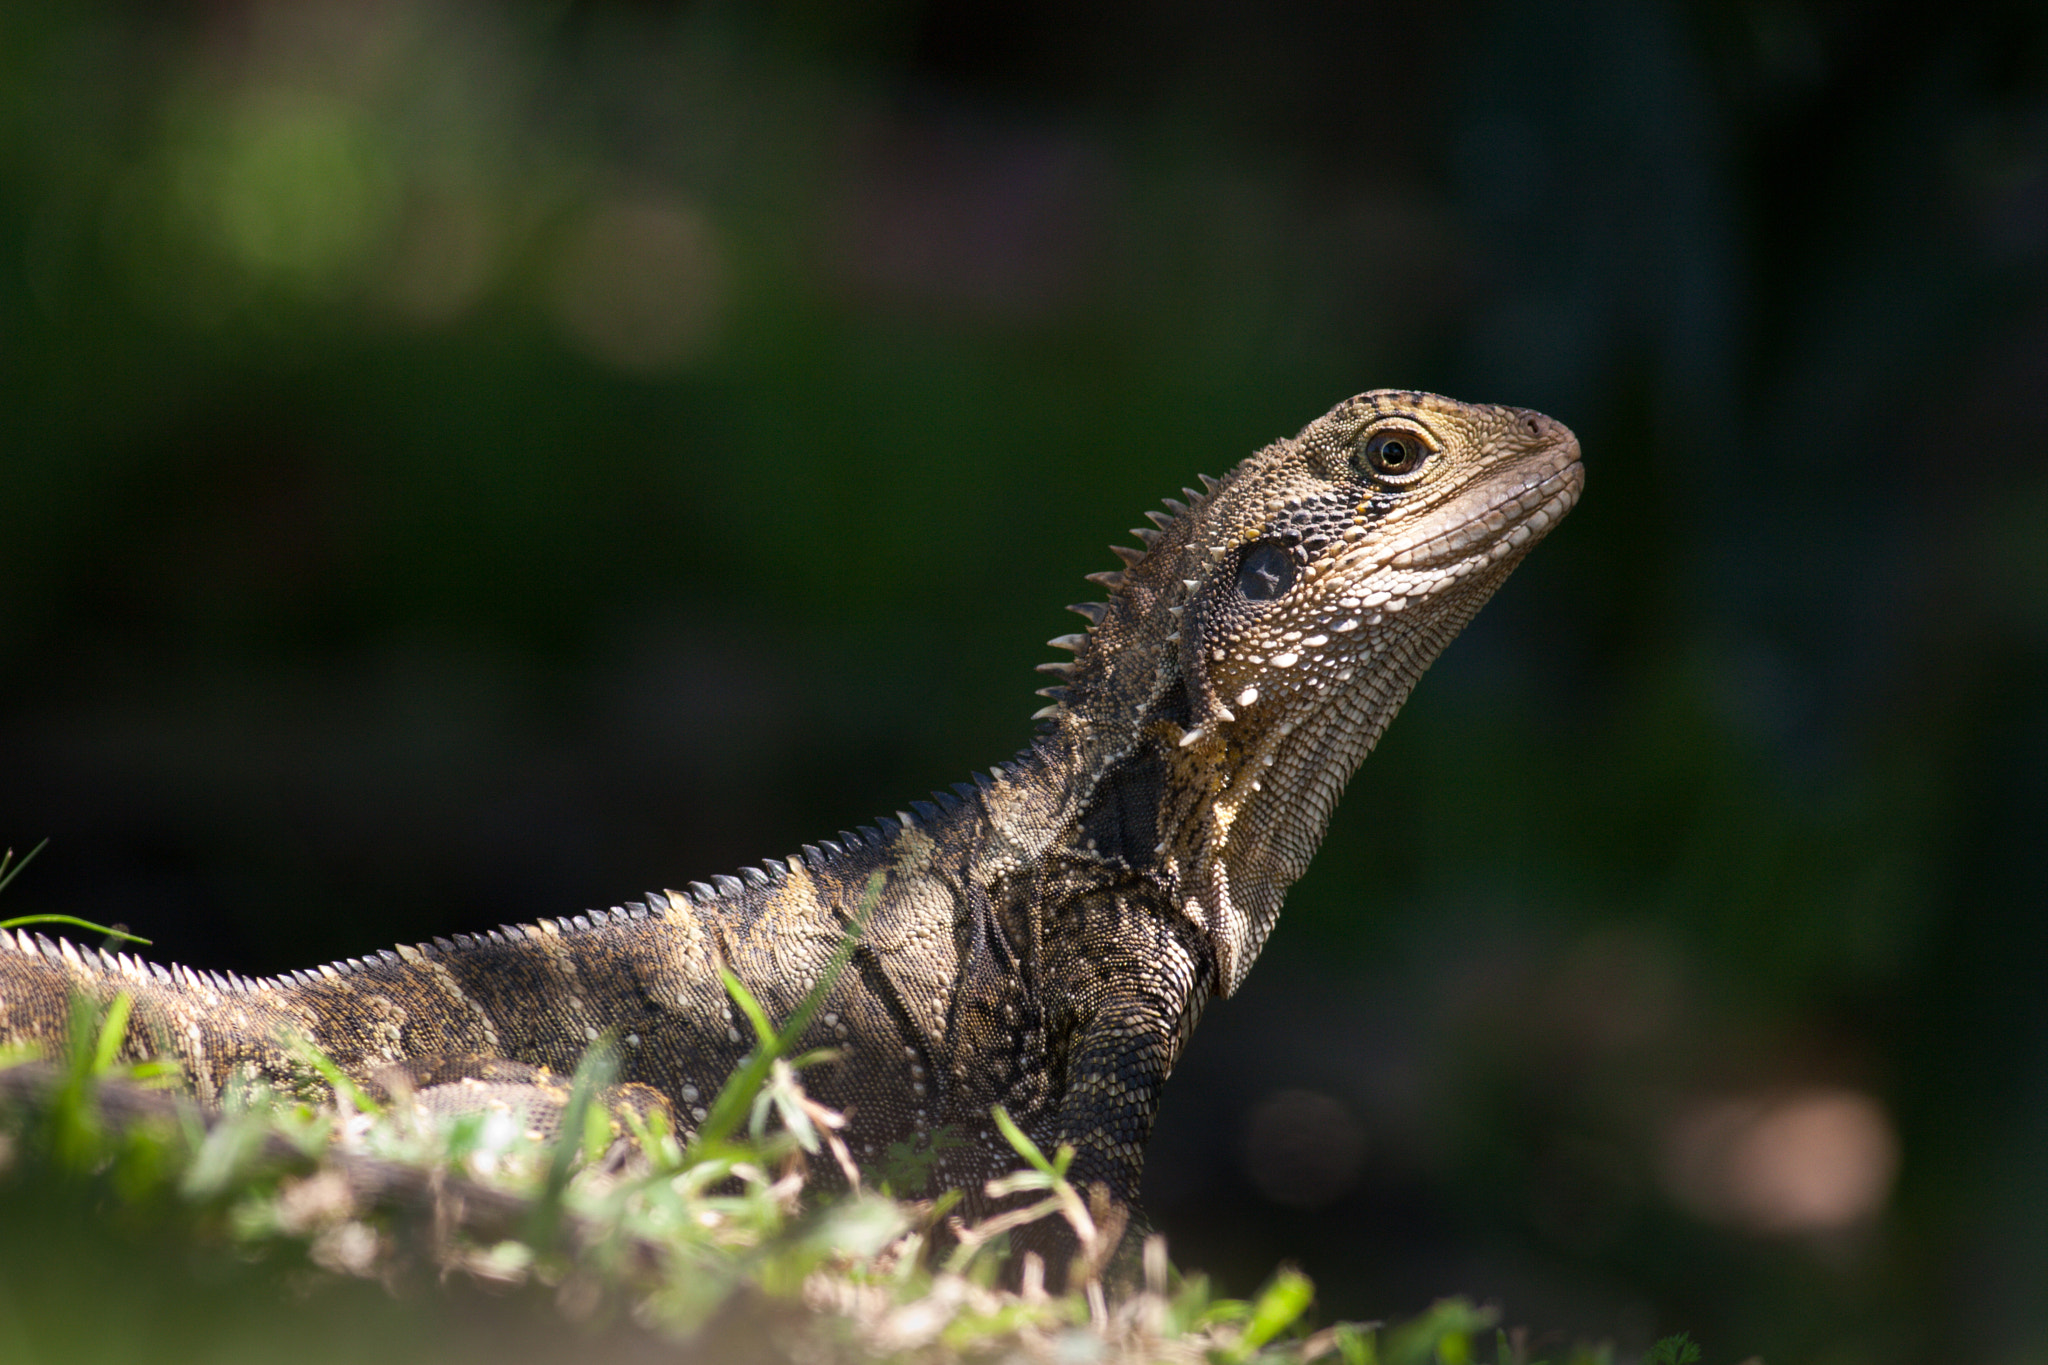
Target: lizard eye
{"type": "Point", "coordinates": [1266, 571]}
{"type": "Point", "coordinates": [1393, 454]}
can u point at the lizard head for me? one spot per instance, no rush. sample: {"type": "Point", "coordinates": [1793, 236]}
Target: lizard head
{"type": "Point", "coordinates": [1251, 655]}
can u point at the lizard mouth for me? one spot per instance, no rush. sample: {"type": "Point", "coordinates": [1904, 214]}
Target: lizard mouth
{"type": "Point", "coordinates": [1500, 515]}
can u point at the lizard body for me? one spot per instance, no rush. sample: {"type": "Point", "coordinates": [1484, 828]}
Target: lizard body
{"type": "Point", "coordinates": [1044, 937]}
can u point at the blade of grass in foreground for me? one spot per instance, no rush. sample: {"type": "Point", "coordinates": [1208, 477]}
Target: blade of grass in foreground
{"type": "Point", "coordinates": [736, 1098]}
{"type": "Point", "coordinates": [10, 869]}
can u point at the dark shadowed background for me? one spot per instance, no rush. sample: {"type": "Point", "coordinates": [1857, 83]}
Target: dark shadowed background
{"type": "Point", "coordinates": [468, 462]}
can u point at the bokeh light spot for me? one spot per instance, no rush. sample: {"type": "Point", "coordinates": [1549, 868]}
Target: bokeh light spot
{"type": "Point", "coordinates": [445, 255]}
{"type": "Point", "coordinates": [1303, 1148]}
{"type": "Point", "coordinates": [1808, 1162]}
{"type": "Point", "coordinates": [637, 284]}
{"type": "Point", "coordinates": [294, 189]}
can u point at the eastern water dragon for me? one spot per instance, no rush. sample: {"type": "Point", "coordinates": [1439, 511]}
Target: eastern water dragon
{"type": "Point", "coordinates": [1046, 935]}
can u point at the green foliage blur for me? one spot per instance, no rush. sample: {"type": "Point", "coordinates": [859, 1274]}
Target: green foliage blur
{"type": "Point", "coordinates": [461, 463]}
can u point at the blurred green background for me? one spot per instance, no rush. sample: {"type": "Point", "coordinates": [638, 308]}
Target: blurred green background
{"type": "Point", "coordinates": [467, 462]}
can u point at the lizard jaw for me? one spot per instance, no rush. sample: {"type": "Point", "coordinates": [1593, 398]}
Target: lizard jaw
{"type": "Point", "coordinates": [1500, 516]}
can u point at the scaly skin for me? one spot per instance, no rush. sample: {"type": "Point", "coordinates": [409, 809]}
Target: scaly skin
{"type": "Point", "coordinates": [1045, 937]}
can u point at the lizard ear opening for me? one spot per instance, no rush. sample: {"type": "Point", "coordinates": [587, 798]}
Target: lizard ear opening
{"type": "Point", "coordinates": [1244, 589]}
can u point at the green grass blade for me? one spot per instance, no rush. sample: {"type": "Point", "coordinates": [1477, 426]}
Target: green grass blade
{"type": "Point", "coordinates": [9, 869]}
{"type": "Point", "coordinates": [113, 1032]}
{"type": "Point", "coordinates": [303, 1049]}
{"type": "Point", "coordinates": [23, 921]}
{"type": "Point", "coordinates": [1282, 1301]}
{"type": "Point", "coordinates": [1677, 1350]}
{"type": "Point", "coordinates": [1021, 1141]}
{"type": "Point", "coordinates": [764, 1031]}
{"type": "Point", "coordinates": [583, 1125]}
{"type": "Point", "coordinates": [736, 1098]}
